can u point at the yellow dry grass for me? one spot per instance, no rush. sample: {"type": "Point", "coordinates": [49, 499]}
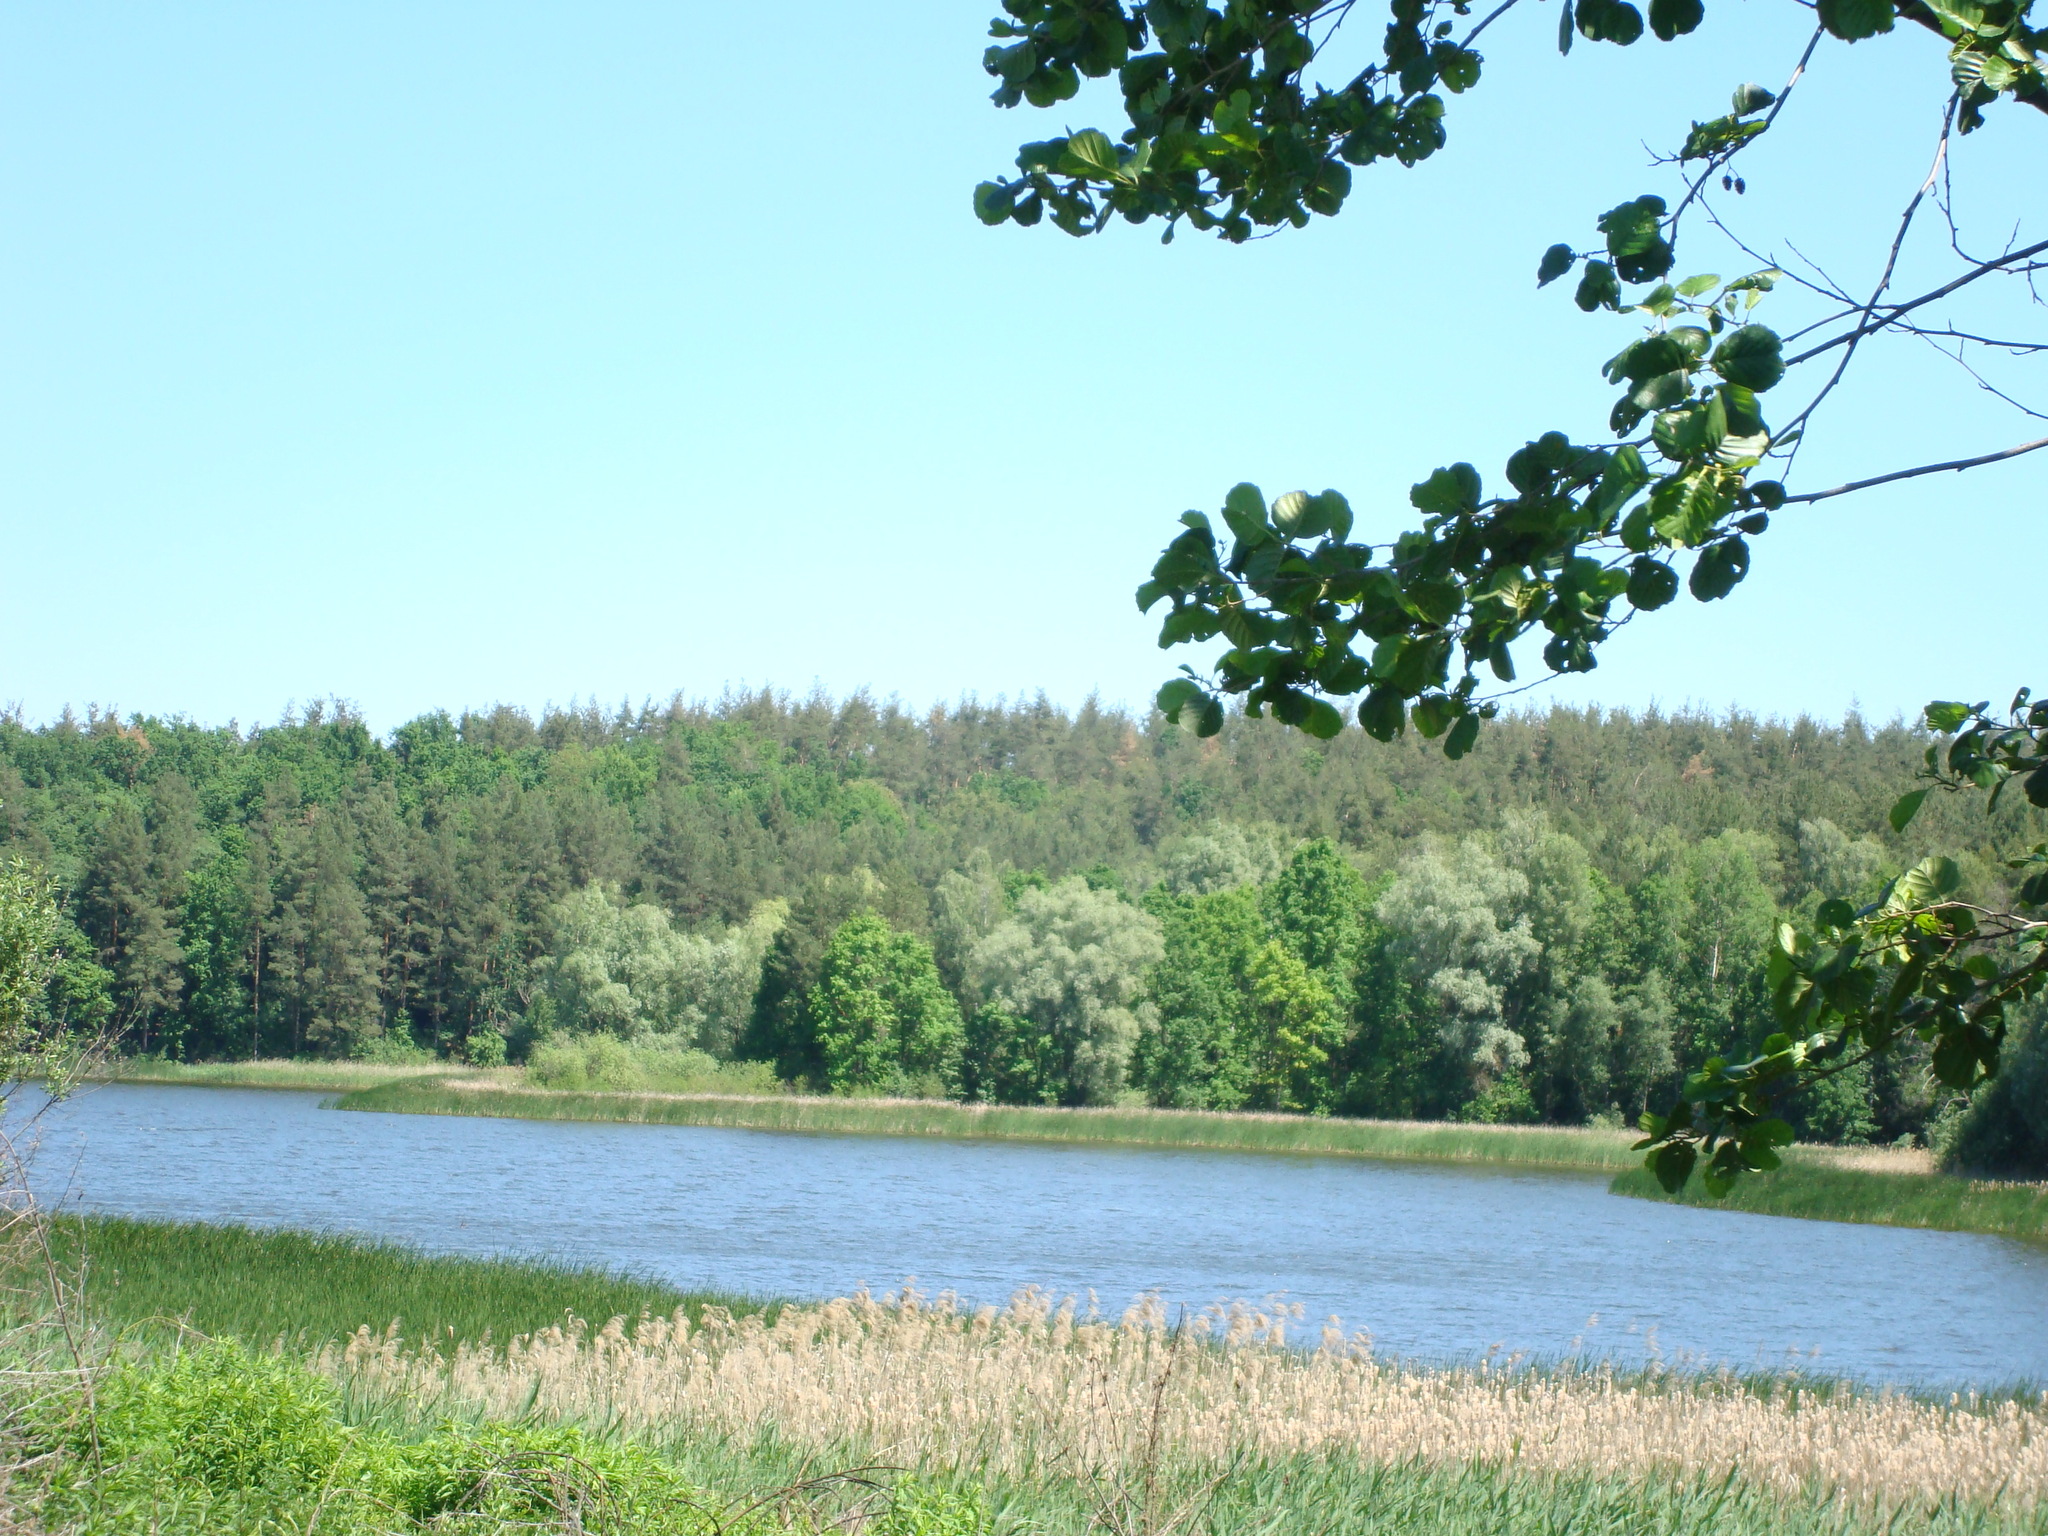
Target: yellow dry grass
{"type": "Point", "coordinates": [1035, 1387]}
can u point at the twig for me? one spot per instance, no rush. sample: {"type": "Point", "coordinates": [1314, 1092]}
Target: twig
{"type": "Point", "coordinates": [1982, 269]}
{"type": "Point", "coordinates": [1718, 161]}
{"type": "Point", "coordinates": [1948, 117]}
{"type": "Point", "coordinates": [1924, 469]}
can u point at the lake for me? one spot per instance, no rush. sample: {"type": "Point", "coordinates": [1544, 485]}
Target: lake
{"type": "Point", "coordinates": [1439, 1263]}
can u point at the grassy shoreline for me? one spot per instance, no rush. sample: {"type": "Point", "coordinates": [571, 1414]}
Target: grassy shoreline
{"type": "Point", "coordinates": [1568, 1148]}
{"type": "Point", "coordinates": [299, 1076]}
{"type": "Point", "coordinates": [150, 1280]}
{"type": "Point", "coordinates": [1813, 1191]}
{"type": "Point", "coordinates": [1868, 1185]}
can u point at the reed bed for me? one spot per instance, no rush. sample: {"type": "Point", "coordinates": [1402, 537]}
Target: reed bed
{"type": "Point", "coordinates": [307, 1076]}
{"type": "Point", "coordinates": [1520, 1146]}
{"type": "Point", "coordinates": [1036, 1389]}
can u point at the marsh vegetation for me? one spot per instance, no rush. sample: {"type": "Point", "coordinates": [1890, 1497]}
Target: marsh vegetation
{"type": "Point", "coordinates": [903, 1415]}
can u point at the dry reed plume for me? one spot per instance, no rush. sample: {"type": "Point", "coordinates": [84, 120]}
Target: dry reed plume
{"type": "Point", "coordinates": [1036, 1388]}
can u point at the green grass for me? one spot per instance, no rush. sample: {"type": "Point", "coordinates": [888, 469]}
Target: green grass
{"type": "Point", "coordinates": [200, 1434]}
{"type": "Point", "coordinates": [1337, 1495]}
{"type": "Point", "coordinates": [259, 1286]}
{"type": "Point", "coordinates": [1819, 1193]}
{"type": "Point", "coordinates": [309, 1076]}
{"type": "Point", "coordinates": [1561, 1147]}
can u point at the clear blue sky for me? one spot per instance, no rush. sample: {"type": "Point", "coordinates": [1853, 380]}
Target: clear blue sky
{"type": "Point", "coordinates": [442, 355]}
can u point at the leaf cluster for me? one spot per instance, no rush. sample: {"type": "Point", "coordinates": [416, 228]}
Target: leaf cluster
{"type": "Point", "coordinates": [1923, 962]}
{"type": "Point", "coordinates": [1578, 531]}
{"type": "Point", "coordinates": [1227, 131]}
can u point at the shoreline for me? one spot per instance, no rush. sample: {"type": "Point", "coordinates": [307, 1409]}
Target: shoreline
{"type": "Point", "coordinates": [1865, 1185]}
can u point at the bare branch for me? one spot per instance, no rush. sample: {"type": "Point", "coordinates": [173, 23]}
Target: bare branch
{"type": "Point", "coordinates": [1924, 469]}
{"type": "Point", "coordinates": [1982, 269]}
{"type": "Point", "coordinates": [1948, 118]}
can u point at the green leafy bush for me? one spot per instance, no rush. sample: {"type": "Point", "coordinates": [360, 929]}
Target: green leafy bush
{"type": "Point", "coordinates": [606, 1062]}
{"type": "Point", "coordinates": [221, 1418]}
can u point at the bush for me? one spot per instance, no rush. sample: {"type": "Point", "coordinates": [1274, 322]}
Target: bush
{"type": "Point", "coordinates": [608, 1064]}
{"type": "Point", "coordinates": [485, 1048]}
{"type": "Point", "coordinates": [220, 1439]}
{"type": "Point", "coordinates": [222, 1418]}
{"type": "Point", "coordinates": [397, 1049]}
{"type": "Point", "coordinates": [510, 1477]}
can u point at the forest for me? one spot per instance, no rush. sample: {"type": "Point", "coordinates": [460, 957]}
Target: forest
{"type": "Point", "coordinates": [1003, 902]}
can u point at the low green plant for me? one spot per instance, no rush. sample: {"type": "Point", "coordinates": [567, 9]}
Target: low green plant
{"type": "Point", "coordinates": [155, 1280]}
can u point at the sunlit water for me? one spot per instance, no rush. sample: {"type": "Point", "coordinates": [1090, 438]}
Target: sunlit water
{"type": "Point", "coordinates": [1438, 1263]}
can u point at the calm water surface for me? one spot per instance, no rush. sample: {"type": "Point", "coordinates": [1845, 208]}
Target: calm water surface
{"type": "Point", "coordinates": [1437, 1263]}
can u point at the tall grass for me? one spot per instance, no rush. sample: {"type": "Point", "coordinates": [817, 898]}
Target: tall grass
{"type": "Point", "coordinates": [1822, 1189]}
{"type": "Point", "coordinates": [311, 1076]}
{"type": "Point", "coordinates": [149, 1278]}
{"type": "Point", "coordinates": [1030, 1421]}
{"type": "Point", "coordinates": [1034, 1392]}
{"type": "Point", "coordinates": [1563, 1147]}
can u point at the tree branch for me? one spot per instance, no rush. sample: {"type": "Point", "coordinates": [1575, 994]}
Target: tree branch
{"type": "Point", "coordinates": [1924, 469]}
{"type": "Point", "coordinates": [1982, 269]}
{"type": "Point", "coordinates": [1948, 118]}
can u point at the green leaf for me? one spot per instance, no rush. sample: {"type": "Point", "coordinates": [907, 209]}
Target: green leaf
{"type": "Point", "coordinates": [1651, 583]}
{"type": "Point", "coordinates": [1835, 913]}
{"type": "Point", "coordinates": [1556, 262]}
{"type": "Point", "coordinates": [1382, 715]}
{"type": "Point", "coordinates": [1674, 18]}
{"type": "Point", "coordinates": [1598, 288]}
{"type": "Point", "coordinates": [1672, 1163]}
{"type": "Point", "coordinates": [1464, 736]}
{"type": "Point", "coordinates": [993, 202]}
{"type": "Point", "coordinates": [1245, 510]}
{"type": "Point", "coordinates": [1290, 510]}
{"type": "Point", "coordinates": [1720, 566]}
{"type": "Point", "coordinates": [1323, 721]}
{"type": "Point", "coordinates": [1176, 695]}
{"type": "Point", "coordinates": [1852, 20]}
{"type": "Point", "coordinates": [1945, 715]}
{"type": "Point", "coordinates": [1685, 510]}
{"type": "Point", "coordinates": [1093, 152]}
{"type": "Point", "coordinates": [1609, 21]}
{"type": "Point", "coordinates": [1447, 492]}
{"type": "Point", "coordinates": [1751, 356]}
{"type": "Point", "coordinates": [1635, 239]}
{"type": "Point", "coordinates": [1693, 287]}
{"type": "Point", "coordinates": [1906, 808]}
{"type": "Point", "coordinates": [1932, 880]}
{"type": "Point", "coordinates": [1433, 714]}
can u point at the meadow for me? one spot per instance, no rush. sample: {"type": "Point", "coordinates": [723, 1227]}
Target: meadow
{"type": "Point", "coordinates": [905, 1416]}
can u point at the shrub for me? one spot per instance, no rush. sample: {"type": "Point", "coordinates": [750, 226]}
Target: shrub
{"type": "Point", "coordinates": [609, 1064]}
{"type": "Point", "coordinates": [223, 1418]}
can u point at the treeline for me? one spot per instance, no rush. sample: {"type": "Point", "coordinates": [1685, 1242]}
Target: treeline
{"type": "Point", "coordinates": [1001, 901]}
